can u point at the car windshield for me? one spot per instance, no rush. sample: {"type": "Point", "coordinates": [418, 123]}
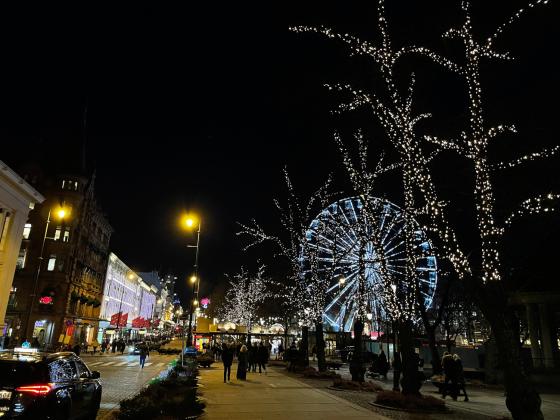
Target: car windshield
{"type": "Point", "coordinates": [14, 373]}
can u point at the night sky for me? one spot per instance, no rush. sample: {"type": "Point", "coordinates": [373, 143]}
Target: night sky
{"type": "Point", "coordinates": [201, 107]}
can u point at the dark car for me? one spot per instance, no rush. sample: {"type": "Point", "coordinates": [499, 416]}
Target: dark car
{"type": "Point", "coordinates": [39, 385]}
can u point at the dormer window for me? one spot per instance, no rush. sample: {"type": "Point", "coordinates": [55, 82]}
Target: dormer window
{"type": "Point", "coordinates": [68, 184]}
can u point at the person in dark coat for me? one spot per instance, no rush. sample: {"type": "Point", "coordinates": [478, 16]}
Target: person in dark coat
{"type": "Point", "coordinates": [450, 383]}
{"type": "Point", "coordinates": [103, 346]}
{"type": "Point", "coordinates": [292, 356]}
{"type": "Point", "coordinates": [114, 345]}
{"type": "Point", "coordinates": [382, 364]}
{"type": "Point", "coordinates": [254, 356]}
{"type": "Point", "coordinates": [459, 375]}
{"type": "Point", "coordinates": [242, 363]}
{"type": "Point", "coordinates": [227, 360]}
{"type": "Point", "coordinates": [76, 349]}
{"type": "Point", "coordinates": [144, 352]}
{"type": "Point", "coordinates": [262, 357]}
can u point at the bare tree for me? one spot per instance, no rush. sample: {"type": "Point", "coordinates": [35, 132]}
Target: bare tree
{"type": "Point", "coordinates": [394, 112]}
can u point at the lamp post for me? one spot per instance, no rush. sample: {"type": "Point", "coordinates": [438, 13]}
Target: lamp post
{"type": "Point", "coordinates": [60, 214]}
{"type": "Point", "coordinates": [190, 222]}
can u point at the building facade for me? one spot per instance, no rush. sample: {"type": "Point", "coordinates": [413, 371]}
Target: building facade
{"type": "Point", "coordinates": [163, 312]}
{"type": "Point", "coordinates": [63, 257]}
{"type": "Point", "coordinates": [128, 304]}
{"type": "Point", "coordinates": [17, 198]}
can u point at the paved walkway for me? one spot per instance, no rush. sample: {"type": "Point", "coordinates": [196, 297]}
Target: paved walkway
{"type": "Point", "coordinates": [487, 402]}
{"type": "Point", "coordinates": [271, 396]}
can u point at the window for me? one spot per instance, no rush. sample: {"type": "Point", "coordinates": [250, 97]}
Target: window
{"type": "Point", "coordinates": [31, 206]}
{"type": "Point", "coordinates": [52, 262]}
{"type": "Point", "coordinates": [26, 230]}
{"type": "Point", "coordinates": [75, 185]}
{"type": "Point", "coordinates": [83, 371]}
{"type": "Point", "coordinates": [62, 370]}
{"type": "Point", "coordinates": [66, 237]}
{"type": "Point", "coordinates": [20, 263]}
{"type": "Point", "coordinates": [57, 233]}
{"type": "Point", "coordinates": [63, 183]}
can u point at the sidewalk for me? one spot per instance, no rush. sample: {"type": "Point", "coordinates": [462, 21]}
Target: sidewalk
{"type": "Point", "coordinates": [271, 396]}
{"type": "Point", "coordinates": [486, 402]}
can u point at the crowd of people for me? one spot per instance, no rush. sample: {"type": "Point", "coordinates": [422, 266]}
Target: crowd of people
{"type": "Point", "coordinates": [249, 358]}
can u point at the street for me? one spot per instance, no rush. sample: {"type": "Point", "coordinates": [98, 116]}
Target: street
{"type": "Point", "coordinates": [122, 376]}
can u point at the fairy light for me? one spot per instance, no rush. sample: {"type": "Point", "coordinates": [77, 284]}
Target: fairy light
{"type": "Point", "coordinates": [244, 296]}
{"type": "Point", "coordinates": [396, 117]}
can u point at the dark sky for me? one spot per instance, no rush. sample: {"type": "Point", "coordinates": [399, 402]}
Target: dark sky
{"type": "Point", "coordinates": [200, 107]}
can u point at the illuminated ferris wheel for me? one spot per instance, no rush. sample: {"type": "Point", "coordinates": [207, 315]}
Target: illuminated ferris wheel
{"type": "Point", "coordinates": [340, 233]}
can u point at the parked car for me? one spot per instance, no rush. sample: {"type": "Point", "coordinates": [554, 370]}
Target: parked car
{"type": "Point", "coordinates": [40, 385]}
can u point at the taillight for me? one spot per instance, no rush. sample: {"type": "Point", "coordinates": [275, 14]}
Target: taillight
{"type": "Point", "coordinates": [35, 389]}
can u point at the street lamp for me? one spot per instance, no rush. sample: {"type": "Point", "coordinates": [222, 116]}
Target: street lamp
{"type": "Point", "coordinates": [60, 214]}
{"type": "Point", "coordinates": [190, 222]}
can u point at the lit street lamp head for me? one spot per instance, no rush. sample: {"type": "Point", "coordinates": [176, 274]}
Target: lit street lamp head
{"type": "Point", "coordinates": [193, 279]}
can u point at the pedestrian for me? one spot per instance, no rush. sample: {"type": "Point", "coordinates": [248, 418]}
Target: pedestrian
{"type": "Point", "coordinates": [114, 345]}
{"type": "Point", "coordinates": [94, 345]}
{"type": "Point", "coordinates": [227, 360]}
{"type": "Point", "coordinates": [383, 364]}
{"type": "Point", "coordinates": [450, 382]}
{"type": "Point", "coordinates": [292, 357]}
{"type": "Point", "coordinates": [103, 346]}
{"type": "Point", "coordinates": [144, 352]}
{"type": "Point", "coordinates": [280, 354]}
{"type": "Point", "coordinates": [254, 350]}
{"type": "Point", "coordinates": [122, 346]}
{"type": "Point", "coordinates": [262, 357]}
{"type": "Point", "coordinates": [242, 363]}
{"type": "Point", "coordinates": [313, 351]}
{"type": "Point", "coordinates": [76, 349]}
{"type": "Point", "coordinates": [251, 357]}
{"type": "Point", "coordinates": [459, 375]}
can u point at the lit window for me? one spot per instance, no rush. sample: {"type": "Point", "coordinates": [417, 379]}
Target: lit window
{"type": "Point", "coordinates": [63, 183]}
{"type": "Point", "coordinates": [75, 185]}
{"type": "Point", "coordinates": [31, 206]}
{"type": "Point", "coordinates": [57, 233]}
{"type": "Point", "coordinates": [20, 263]}
{"type": "Point", "coordinates": [66, 237]}
{"type": "Point", "coordinates": [52, 262]}
{"type": "Point", "coordinates": [26, 230]}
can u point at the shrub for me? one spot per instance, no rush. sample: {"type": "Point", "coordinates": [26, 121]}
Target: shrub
{"type": "Point", "coordinates": [172, 397]}
{"type": "Point", "coordinates": [356, 386]}
{"type": "Point", "coordinates": [410, 402]}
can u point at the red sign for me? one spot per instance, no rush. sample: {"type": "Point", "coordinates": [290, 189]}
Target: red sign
{"type": "Point", "coordinates": [46, 300]}
{"type": "Point", "coordinates": [124, 318]}
{"type": "Point", "coordinates": [119, 318]}
{"type": "Point", "coordinates": [137, 322]}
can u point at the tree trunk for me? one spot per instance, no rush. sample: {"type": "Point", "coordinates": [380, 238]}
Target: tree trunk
{"type": "Point", "coordinates": [410, 378]}
{"type": "Point", "coordinates": [305, 345]}
{"type": "Point", "coordinates": [436, 360]}
{"type": "Point", "coordinates": [357, 368]}
{"type": "Point", "coordinates": [320, 346]}
{"type": "Point", "coordinates": [522, 400]}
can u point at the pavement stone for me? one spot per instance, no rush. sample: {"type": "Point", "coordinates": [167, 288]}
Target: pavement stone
{"type": "Point", "coordinates": [272, 396]}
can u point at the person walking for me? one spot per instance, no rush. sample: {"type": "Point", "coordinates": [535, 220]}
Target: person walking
{"type": "Point", "coordinates": [292, 357]}
{"type": "Point", "coordinates": [103, 346]}
{"type": "Point", "coordinates": [314, 351]}
{"type": "Point", "coordinates": [262, 357]}
{"type": "Point", "coordinates": [144, 352]}
{"type": "Point", "coordinates": [242, 363]}
{"type": "Point", "coordinates": [94, 345]}
{"type": "Point", "coordinates": [122, 346]}
{"type": "Point", "coordinates": [280, 354]}
{"type": "Point", "coordinates": [450, 382]}
{"type": "Point", "coordinates": [383, 364]}
{"type": "Point", "coordinates": [114, 345]}
{"type": "Point", "coordinates": [254, 350]}
{"type": "Point", "coordinates": [227, 360]}
{"type": "Point", "coordinates": [459, 375]}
